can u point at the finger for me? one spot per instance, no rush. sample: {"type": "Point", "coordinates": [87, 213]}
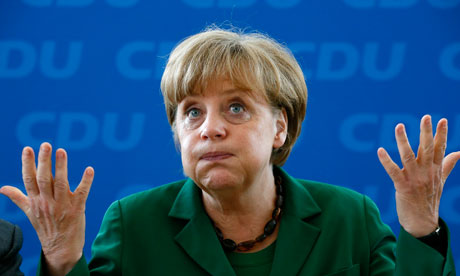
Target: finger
{"type": "Point", "coordinates": [44, 176]}
{"type": "Point", "coordinates": [440, 142]}
{"type": "Point", "coordinates": [390, 167]}
{"type": "Point", "coordinates": [447, 166]}
{"type": "Point", "coordinates": [425, 150]}
{"type": "Point", "coordinates": [82, 191]}
{"type": "Point", "coordinates": [449, 163]}
{"type": "Point", "coordinates": [61, 183]}
{"type": "Point", "coordinates": [29, 171]}
{"type": "Point", "coordinates": [17, 196]}
{"type": "Point", "coordinates": [404, 148]}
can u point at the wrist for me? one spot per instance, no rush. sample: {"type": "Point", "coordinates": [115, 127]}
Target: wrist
{"type": "Point", "coordinates": [421, 230]}
{"type": "Point", "coordinates": [60, 265]}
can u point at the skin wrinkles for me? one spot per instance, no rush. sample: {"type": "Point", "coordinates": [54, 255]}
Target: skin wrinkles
{"type": "Point", "coordinates": [193, 112]}
{"type": "Point", "coordinates": [226, 136]}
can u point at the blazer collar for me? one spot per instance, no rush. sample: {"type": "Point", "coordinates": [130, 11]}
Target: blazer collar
{"type": "Point", "coordinates": [296, 237]}
{"type": "Point", "coordinates": [198, 237]}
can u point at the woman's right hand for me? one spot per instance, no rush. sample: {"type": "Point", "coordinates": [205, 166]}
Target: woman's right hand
{"type": "Point", "coordinates": [56, 213]}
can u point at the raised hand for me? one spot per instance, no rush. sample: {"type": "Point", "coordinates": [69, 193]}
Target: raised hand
{"type": "Point", "coordinates": [420, 183]}
{"type": "Point", "coordinates": [56, 213]}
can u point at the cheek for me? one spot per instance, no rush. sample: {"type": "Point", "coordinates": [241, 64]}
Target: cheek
{"type": "Point", "coordinates": [179, 134]}
{"type": "Point", "coordinates": [260, 142]}
{"type": "Point", "coordinates": [187, 160]}
{"type": "Point", "coordinates": [185, 142]}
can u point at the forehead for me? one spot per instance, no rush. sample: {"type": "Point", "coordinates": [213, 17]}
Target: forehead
{"type": "Point", "coordinates": [225, 87]}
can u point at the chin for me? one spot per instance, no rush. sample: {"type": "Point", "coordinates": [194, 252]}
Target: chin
{"type": "Point", "coordinates": [219, 178]}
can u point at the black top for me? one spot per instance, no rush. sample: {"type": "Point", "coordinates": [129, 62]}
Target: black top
{"type": "Point", "coordinates": [10, 244]}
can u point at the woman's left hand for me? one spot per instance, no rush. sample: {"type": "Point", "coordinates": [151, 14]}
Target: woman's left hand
{"type": "Point", "coordinates": [420, 183]}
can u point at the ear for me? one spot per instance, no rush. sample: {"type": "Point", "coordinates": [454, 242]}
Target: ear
{"type": "Point", "coordinates": [281, 129]}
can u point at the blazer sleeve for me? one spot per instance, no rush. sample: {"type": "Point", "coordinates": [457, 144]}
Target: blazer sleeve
{"type": "Point", "coordinates": [408, 256]}
{"type": "Point", "coordinates": [10, 259]}
{"type": "Point", "coordinates": [106, 250]}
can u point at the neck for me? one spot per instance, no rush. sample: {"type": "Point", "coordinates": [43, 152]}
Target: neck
{"type": "Point", "coordinates": [241, 214]}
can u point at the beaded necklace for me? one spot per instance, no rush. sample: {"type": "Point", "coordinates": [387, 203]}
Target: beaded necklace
{"type": "Point", "coordinates": [231, 245]}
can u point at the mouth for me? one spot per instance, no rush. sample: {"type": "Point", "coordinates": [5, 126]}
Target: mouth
{"type": "Point", "coordinates": [215, 156]}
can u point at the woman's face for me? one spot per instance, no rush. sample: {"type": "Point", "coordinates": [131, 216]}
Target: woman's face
{"type": "Point", "coordinates": [226, 136]}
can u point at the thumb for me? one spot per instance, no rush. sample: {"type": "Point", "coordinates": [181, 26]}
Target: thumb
{"type": "Point", "coordinates": [449, 164]}
{"type": "Point", "coordinates": [17, 196]}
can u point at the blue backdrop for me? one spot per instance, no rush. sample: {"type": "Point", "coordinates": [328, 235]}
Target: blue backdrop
{"type": "Point", "coordinates": [84, 75]}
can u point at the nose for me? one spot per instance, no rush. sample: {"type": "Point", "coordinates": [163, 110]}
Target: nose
{"type": "Point", "coordinates": [214, 127]}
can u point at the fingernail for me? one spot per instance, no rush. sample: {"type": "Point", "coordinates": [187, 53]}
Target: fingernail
{"type": "Point", "coordinates": [26, 151]}
{"type": "Point", "coordinates": [89, 172]}
{"type": "Point", "coordinates": [60, 154]}
{"type": "Point", "coordinates": [428, 120]}
{"type": "Point", "coordinates": [45, 148]}
{"type": "Point", "coordinates": [444, 123]}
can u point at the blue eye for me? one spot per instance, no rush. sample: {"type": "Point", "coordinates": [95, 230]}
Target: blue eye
{"type": "Point", "coordinates": [193, 113]}
{"type": "Point", "coordinates": [236, 108]}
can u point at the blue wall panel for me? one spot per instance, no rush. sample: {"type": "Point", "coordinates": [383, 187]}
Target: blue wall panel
{"type": "Point", "coordinates": [85, 74]}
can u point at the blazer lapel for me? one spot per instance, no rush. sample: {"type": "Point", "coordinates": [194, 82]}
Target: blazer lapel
{"type": "Point", "coordinates": [296, 237]}
{"type": "Point", "coordinates": [198, 237]}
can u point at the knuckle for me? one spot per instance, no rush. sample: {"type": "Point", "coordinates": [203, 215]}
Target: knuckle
{"type": "Point", "coordinates": [45, 206]}
{"type": "Point", "coordinates": [409, 157]}
{"type": "Point", "coordinates": [428, 148]}
{"type": "Point", "coordinates": [42, 157]}
{"type": "Point", "coordinates": [60, 183]}
{"type": "Point", "coordinates": [43, 180]}
{"type": "Point", "coordinates": [28, 179]}
{"type": "Point", "coordinates": [82, 192]}
{"type": "Point", "coordinates": [443, 147]}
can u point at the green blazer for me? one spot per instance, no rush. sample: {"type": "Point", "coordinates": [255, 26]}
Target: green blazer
{"type": "Point", "coordinates": [324, 230]}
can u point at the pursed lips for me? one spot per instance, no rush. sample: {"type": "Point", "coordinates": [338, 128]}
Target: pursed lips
{"type": "Point", "coordinates": [215, 155]}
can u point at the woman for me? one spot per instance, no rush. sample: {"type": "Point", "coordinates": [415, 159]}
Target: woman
{"type": "Point", "coordinates": [236, 103]}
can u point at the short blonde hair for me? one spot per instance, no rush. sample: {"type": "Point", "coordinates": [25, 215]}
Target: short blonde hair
{"type": "Point", "coordinates": [251, 61]}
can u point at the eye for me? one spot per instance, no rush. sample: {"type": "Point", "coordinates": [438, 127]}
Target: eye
{"type": "Point", "coordinates": [193, 113]}
{"type": "Point", "coordinates": [236, 108]}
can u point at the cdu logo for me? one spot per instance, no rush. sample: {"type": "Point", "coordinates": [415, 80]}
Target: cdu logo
{"type": "Point", "coordinates": [81, 130]}
{"type": "Point", "coordinates": [129, 59]}
{"type": "Point", "coordinates": [18, 59]}
{"type": "Point", "coordinates": [206, 4]}
{"type": "Point", "coordinates": [400, 4]}
{"type": "Point", "coordinates": [79, 3]}
{"type": "Point", "coordinates": [341, 60]}
{"type": "Point", "coordinates": [449, 61]}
